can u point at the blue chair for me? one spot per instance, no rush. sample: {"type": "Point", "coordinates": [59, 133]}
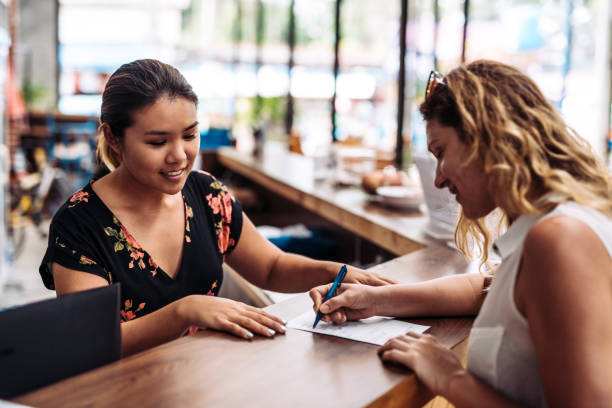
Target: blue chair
{"type": "Point", "coordinates": [214, 138]}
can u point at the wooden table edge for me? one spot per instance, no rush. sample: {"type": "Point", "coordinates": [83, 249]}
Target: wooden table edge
{"type": "Point", "coordinates": [392, 241]}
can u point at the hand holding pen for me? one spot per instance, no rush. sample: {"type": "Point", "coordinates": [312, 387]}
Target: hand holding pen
{"type": "Point", "coordinates": [348, 301]}
{"type": "Point", "coordinates": [335, 286]}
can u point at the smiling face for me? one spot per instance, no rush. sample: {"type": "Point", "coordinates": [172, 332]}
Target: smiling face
{"type": "Point", "coordinates": [466, 180]}
{"type": "Point", "coordinates": [159, 148]}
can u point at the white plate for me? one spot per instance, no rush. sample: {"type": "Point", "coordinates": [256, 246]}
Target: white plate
{"type": "Point", "coordinates": [400, 196]}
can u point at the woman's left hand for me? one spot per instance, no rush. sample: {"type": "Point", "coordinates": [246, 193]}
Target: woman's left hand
{"type": "Point", "coordinates": [356, 275]}
{"type": "Point", "coordinates": [435, 365]}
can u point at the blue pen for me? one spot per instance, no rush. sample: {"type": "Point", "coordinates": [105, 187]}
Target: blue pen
{"type": "Point", "coordinates": [337, 282]}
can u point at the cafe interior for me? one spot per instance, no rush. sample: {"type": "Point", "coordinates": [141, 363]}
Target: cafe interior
{"type": "Point", "coordinates": [308, 112]}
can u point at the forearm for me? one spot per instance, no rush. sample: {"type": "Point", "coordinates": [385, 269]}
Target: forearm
{"type": "Point", "coordinates": [457, 295]}
{"type": "Point", "coordinates": [465, 390]}
{"type": "Point", "coordinates": [161, 326]}
{"type": "Point", "coordinates": [296, 273]}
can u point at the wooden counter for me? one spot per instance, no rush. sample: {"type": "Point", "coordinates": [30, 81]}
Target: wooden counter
{"type": "Point", "coordinates": [292, 176]}
{"type": "Point", "coordinates": [299, 369]}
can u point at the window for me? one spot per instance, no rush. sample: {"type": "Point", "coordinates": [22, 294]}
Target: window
{"type": "Point", "coordinates": [238, 56]}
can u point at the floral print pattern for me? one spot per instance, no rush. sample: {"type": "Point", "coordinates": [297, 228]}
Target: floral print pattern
{"type": "Point", "coordinates": [209, 211]}
{"type": "Point", "coordinates": [59, 244]}
{"type": "Point", "coordinates": [212, 287]}
{"type": "Point", "coordinates": [83, 260]}
{"type": "Point", "coordinates": [125, 241]}
{"type": "Point", "coordinates": [109, 276]}
{"type": "Point", "coordinates": [78, 197]}
{"type": "Point", "coordinates": [188, 215]}
{"type": "Point", "coordinates": [86, 261]}
{"type": "Point", "coordinates": [153, 265]}
{"type": "Point", "coordinates": [128, 314]}
{"type": "Point", "coordinates": [221, 205]}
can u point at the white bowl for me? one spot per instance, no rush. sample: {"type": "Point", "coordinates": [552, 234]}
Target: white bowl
{"type": "Point", "coordinates": [400, 196]}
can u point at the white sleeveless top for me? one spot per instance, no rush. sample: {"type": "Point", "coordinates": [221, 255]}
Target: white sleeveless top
{"type": "Point", "coordinates": [500, 351]}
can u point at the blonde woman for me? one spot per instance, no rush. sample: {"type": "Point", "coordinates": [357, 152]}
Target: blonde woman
{"type": "Point", "coordinates": [164, 231]}
{"type": "Point", "coordinates": [543, 332]}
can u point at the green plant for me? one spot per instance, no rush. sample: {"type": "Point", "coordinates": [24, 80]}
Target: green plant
{"type": "Point", "coordinates": [268, 109]}
{"type": "Point", "coordinates": [33, 93]}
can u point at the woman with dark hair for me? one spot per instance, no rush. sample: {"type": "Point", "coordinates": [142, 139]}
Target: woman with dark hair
{"type": "Point", "coordinates": [162, 230]}
{"type": "Point", "coordinates": [543, 333]}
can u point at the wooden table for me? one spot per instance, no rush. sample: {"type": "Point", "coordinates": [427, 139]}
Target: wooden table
{"type": "Point", "coordinates": [292, 176]}
{"type": "Point", "coordinates": [299, 369]}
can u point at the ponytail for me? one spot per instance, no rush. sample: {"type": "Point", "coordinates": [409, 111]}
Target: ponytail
{"type": "Point", "coordinates": [105, 153]}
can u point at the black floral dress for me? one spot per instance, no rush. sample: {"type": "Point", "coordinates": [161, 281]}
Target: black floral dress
{"type": "Point", "coordinates": [86, 236]}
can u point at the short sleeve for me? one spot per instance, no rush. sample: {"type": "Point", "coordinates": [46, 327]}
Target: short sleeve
{"type": "Point", "coordinates": [71, 245]}
{"type": "Point", "coordinates": [233, 224]}
{"type": "Point", "coordinates": [226, 213]}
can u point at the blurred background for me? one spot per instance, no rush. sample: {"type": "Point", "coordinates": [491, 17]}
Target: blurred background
{"type": "Point", "coordinates": [306, 73]}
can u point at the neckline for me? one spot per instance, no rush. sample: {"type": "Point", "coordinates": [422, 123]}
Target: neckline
{"type": "Point", "coordinates": [517, 230]}
{"type": "Point", "coordinates": [158, 268]}
{"type": "Point", "coordinates": [513, 238]}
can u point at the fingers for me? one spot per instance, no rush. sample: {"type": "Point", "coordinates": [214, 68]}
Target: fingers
{"type": "Point", "coordinates": [272, 323]}
{"type": "Point", "coordinates": [368, 278]}
{"type": "Point", "coordinates": [317, 295]}
{"type": "Point", "coordinates": [399, 343]}
{"type": "Point", "coordinates": [401, 349]}
{"type": "Point", "coordinates": [335, 303]}
{"type": "Point", "coordinates": [379, 280]}
{"type": "Point", "coordinates": [397, 356]}
{"type": "Point", "coordinates": [352, 302]}
{"type": "Point", "coordinates": [246, 321]}
{"type": "Point", "coordinates": [374, 279]}
{"type": "Point", "coordinates": [397, 350]}
{"type": "Point", "coordinates": [236, 330]}
{"type": "Point", "coordinates": [274, 320]}
{"type": "Point", "coordinates": [389, 281]}
{"type": "Point", "coordinates": [339, 317]}
{"type": "Point", "coordinates": [254, 326]}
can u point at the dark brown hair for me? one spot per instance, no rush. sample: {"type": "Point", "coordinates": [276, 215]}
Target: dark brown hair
{"type": "Point", "coordinates": [134, 86]}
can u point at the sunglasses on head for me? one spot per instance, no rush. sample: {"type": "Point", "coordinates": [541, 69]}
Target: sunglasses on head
{"type": "Point", "coordinates": [434, 80]}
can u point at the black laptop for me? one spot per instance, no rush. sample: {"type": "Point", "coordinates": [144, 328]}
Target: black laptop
{"type": "Point", "coordinates": [47, 341]}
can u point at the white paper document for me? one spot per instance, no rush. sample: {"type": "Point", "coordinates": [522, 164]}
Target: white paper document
{"type": "Point", "coordinates": [374, 330]}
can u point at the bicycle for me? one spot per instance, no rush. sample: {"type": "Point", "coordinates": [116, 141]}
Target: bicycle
{"type": "Point", "coordinates": [34, 196]}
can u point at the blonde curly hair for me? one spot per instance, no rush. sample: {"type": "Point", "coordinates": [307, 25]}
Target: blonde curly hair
{"type": "Point", "coordinates": [524, 146]}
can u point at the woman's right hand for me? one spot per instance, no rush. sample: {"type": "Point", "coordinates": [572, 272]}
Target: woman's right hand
{"type": "Point", "coordinates": [351, 302]}
{"type": "Point", "coordinates": [230, 316]}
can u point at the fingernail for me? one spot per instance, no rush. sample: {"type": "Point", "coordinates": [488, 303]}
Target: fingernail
{"type": "Point", "coordinates": [325, 308]}
{"type": "Point", "coordinates": [249, 335]}
{"type": "Point", "coordinates": [271, 332]}
{"type": "Point", "coordinates": [283, 329]}
{"type": "Point", "coordinates": [285, 321]}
